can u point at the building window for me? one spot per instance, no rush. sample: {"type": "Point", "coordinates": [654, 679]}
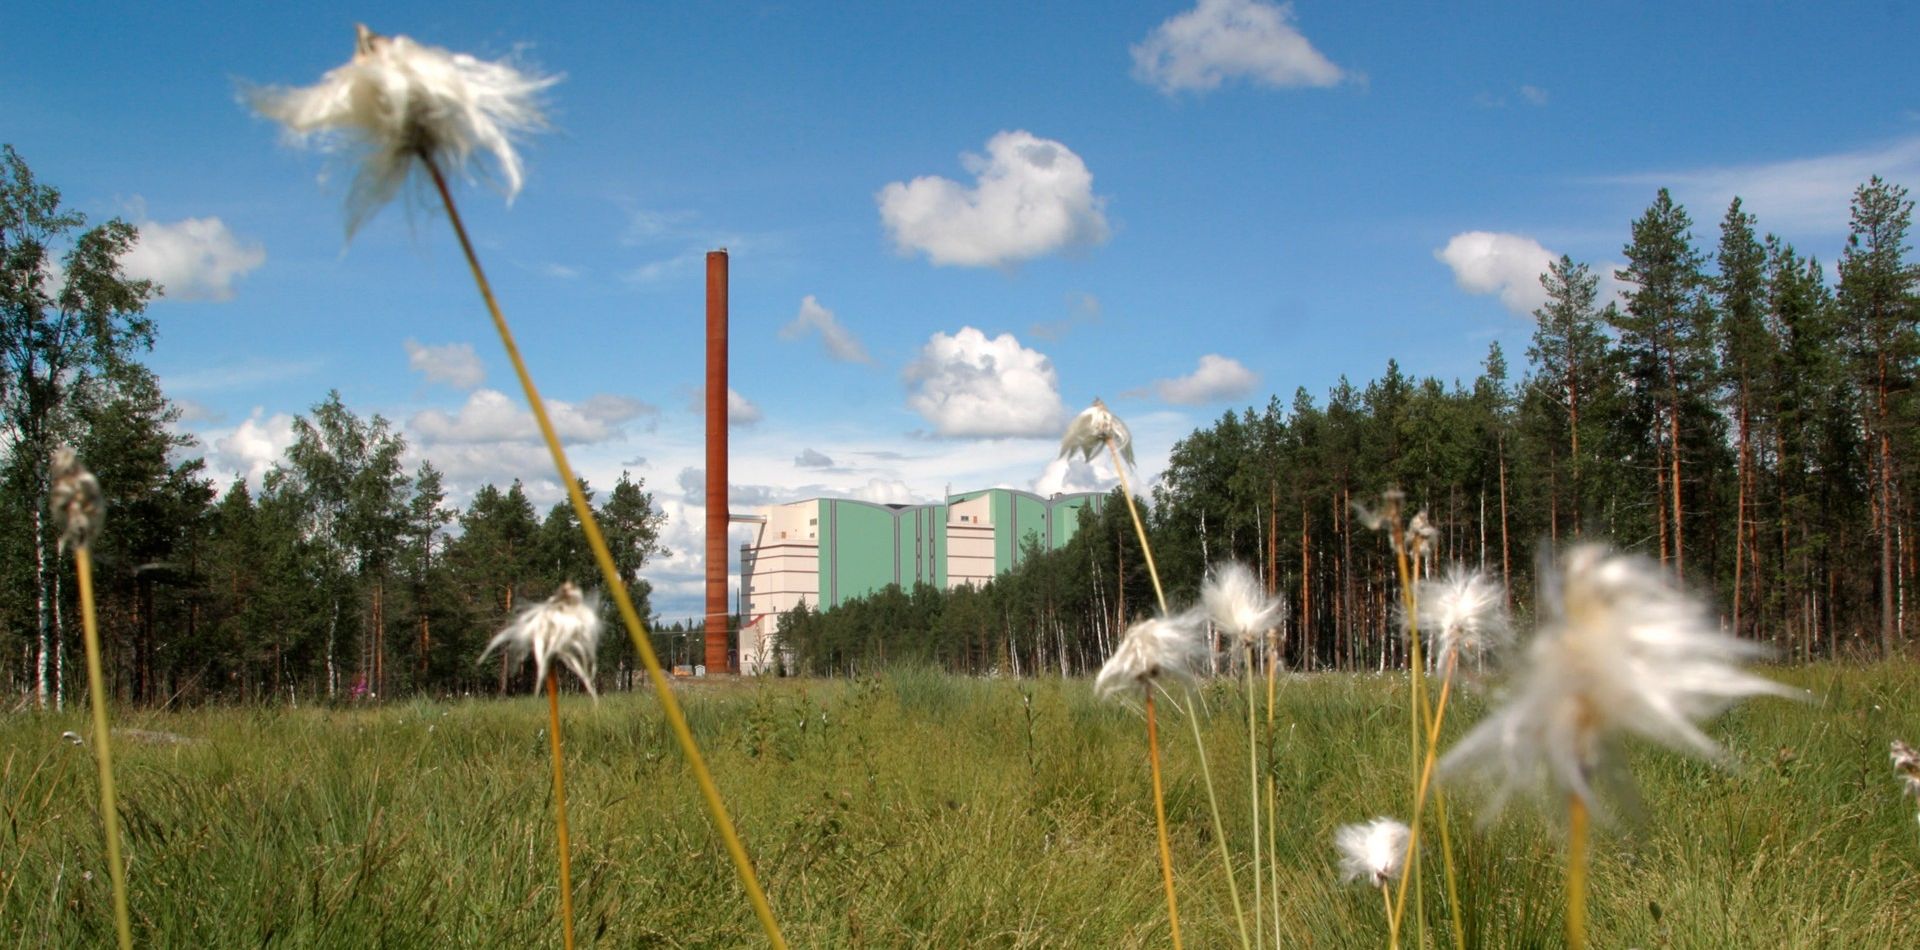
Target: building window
{"type": "Point", "coordinates": [812, 521]}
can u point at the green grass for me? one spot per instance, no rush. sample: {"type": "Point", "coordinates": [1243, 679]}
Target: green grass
{"type": "Point", "coordinates": [919, 809]}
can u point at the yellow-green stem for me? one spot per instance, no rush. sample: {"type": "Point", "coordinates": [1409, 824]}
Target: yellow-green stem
{"type": "Point", "coordinates": [1577, 821]}
{"type": "Point", "coordinates": [636, 628]}
{"type": "Point", "coordinates": [1418, 714]}
{"type": "Point", "coordinates": [103, 747]}
{"type": "Point", "coordinates": [1219, 828]}
{"type": "Point", "coordinates": [1453, 887]}
{"type": "Point", "coordinates": [1421, 789]}
{"type": "Point", "coordinates": [560, 810]}
{"type": "Point", "coordinates": [1160, 820]}
{"type": "Point", "coordinates": [1273, 809]}
{"type": "Point", "coordinates": [1253, 795]}
{"type": "Point", "coordinates": [1139, 527]}
{"type": "Point", "coordinates": [1393, 924]}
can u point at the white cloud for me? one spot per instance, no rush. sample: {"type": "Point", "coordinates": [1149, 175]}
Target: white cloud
{"type": "Point", "coordinates": [1032, 196]}
{"type": "Point", "coordinates": [883, 491]}
{"type": "Point", "coordinates": [490, 416]}
{"type": "Point", "coordinates": [969, 385]}
{"type": "Point", "coordinates": [192, 259]}
{"type": "Point", "coordinates": [1798, 196]}
{"type": "Point", "coordinates": [252, 447]}
{"type": "Point", "coordinates": [840, 342]}
{"type": "Point", "coordinates": [740, 410]}
{"type": "Point", "coordinates": [1228, 39]}
{"type": "Point", "coordinates": [1076, 474]}
{"type": "Point", "coordinates": [1214, 379]}
{"type": "Point", "coordinates": [455, 364]}
{"type": "Point", "coordinates": [1487, 262]}
{"type": "Point", "coordinates": [1533, 94]}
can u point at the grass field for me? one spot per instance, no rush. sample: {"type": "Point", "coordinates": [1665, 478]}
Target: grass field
{"type": "Point", "coordinates": [920, 809]}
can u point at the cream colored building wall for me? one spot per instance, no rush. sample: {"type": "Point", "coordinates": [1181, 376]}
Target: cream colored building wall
{"type": "Point", "coordinates": [785, 572]}
{"type": "Point", "coordinates": [970, 542]}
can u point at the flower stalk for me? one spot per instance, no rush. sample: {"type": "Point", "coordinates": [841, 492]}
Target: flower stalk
{"type": "Point", "coordinates": [630, 618]}
{"type": "Point", "coordinates": [560, 809]}
{"type": "Point", "coordinates": [1160, 820]}
{"type": "Point", "coordinates": [78, 508]}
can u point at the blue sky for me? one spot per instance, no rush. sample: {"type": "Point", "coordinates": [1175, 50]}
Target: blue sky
{"type": "Point", "coordinates": [951, 225]}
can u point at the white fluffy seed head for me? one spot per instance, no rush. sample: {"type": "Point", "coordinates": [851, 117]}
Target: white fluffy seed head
{"type": "Point", "coordinates": [74, 498]}
{"type": "Point", "coordinates": [1906, 767]}
{"type": "Point", "coordinates": [1621, 650]}
{"type": "Point", "coordinates": [398, 100]}
{"type": "Point", "coordinates": [1463, 615]}
{"type": "Point", "coordinates": [1091, 429]}
{"type": "Point", "coordinates": [564, 627]}
{"type": "Point", "coordinates": [1236, 602]}
{"type": "Point", "coordinates": [1152, 650]}
{"type": "Point", "coordinates": [1373, 851]}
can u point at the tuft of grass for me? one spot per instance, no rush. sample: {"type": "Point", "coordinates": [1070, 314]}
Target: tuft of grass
{"type": "Point", "coordinates": [917, 809]}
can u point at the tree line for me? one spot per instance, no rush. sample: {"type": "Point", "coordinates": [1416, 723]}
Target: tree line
{"type": "Point", "coordinates": [1733, 414]}
{"type": "Point", "coordinates": [345, 575]}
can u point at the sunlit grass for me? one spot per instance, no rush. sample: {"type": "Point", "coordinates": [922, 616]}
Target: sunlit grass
{"type": "Point", "coordinates": [920, 809]}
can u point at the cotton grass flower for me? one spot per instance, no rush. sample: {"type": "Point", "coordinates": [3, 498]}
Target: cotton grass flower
{"type": "Point", "coordinates": [1463, 615]}
{"type": "Point", "coordinates": [1906, 767]}
{"type": "Point", "coordinates": [564, 627]}
{"type": "Point", "coordinates": [1236, 602]}
{"type": "Point", "coordinates": [1372, 851]}
{"type": "Point", "coordinates": [74, 498]}
{"type": "Point", "coordinates": [1620, 650]}
{"type": "Point", "coordinates": [1152, 650]}
{"type": "Point", "coordinates": [1092, 430]}
{"type": "Point", "coordinates": [398, 100]}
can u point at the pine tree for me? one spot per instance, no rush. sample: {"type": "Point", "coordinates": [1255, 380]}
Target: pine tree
{"type": "Point", "coordinates": [1877, 299]}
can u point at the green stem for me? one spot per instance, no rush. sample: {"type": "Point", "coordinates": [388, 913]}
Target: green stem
{"type": "Point", "coordinates": [560, 810]}
{"type": "Point", "coordinates": [636, 628]}
{"type": "Point", "coordinates": [103, 747]}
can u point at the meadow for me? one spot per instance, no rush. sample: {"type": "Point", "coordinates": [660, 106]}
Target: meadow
{"type": "Point", "coordinates": [917, 808]}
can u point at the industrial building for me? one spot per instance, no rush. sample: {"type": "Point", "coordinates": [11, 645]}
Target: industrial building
{"type": "Point", "coordinates": [823, 551]}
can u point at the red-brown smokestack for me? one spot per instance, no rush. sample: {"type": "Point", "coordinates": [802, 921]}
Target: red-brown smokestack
{"type": "Point", "coordinates": [717, 463]}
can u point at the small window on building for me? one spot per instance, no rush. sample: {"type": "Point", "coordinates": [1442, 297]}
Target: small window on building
{"type": "Point", "coordinates": [813, 521]}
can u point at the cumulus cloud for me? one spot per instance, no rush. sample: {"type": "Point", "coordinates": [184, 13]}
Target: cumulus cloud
{"type": "Point", "coordinates": [840, 342]}
{"type": "Point", "coordinates": [1031, 196]}
{"type": "Point", "coordinates": [1214, 379]}
{"type": "Point", "coordinates": [490, 416]}
{"type": "Point", "coordinates": [969, 385]}
{"type": "Point", "coordinates": [740, 410]}
{"type": "Point", "coordinates": [192, 259]}
{"type": "Point", "coordinates": [885, 491]}
{"type": "Point", "coordinates": [252, 447]}
{"type": "Point", "coordinates": [1220, 40]}
{"type": "Point", "coordinates": [1075, 474]}
{"type": "Point", "coordinates": [1510, 265]}
{"type": "Point", "coordinates": [454, 364]}
{"type": "Point", "coordinates": [808, 458]}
